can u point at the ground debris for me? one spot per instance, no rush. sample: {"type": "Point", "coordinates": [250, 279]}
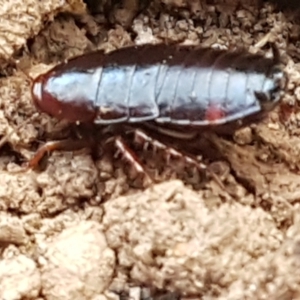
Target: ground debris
{"type": "Point", "coordinates": [19, 278]}
{"type": "Point", "coordinates": [174, 241]}
{"type": "Point", "coordinates": [76, 264]}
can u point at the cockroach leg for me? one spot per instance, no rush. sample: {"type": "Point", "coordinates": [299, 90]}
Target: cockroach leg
{"type": "Point", "coordinates": [139, 136]}
{"type": "Point", "coordinates": [65, 145]}
{"type": "Point", "coordinates": [172, 133]}
{"type": "Point", "coordinates": [128, 154]}
{"type": "Point", "coordinates": [263, 41]}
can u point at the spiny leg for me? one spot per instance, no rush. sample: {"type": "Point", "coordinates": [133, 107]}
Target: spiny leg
{"type": "Point", "coordinates": [141, 136]}
{"type": "Point", "coordinates": [65, 145]}
{"type": "Point", "coordinates": [129, 155]}
{"type": "Point", "coordinates": [88, 141]}
{"type": "Point", "coordinates": [82, 137]}
{"type": "Point", "coordinates": [72, 145]}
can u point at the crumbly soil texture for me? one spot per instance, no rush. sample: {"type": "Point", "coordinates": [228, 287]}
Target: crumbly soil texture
{"type": "Point", "coordinates": [82, 226]}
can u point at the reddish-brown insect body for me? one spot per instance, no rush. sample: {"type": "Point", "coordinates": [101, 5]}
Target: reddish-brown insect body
{"type": "Point", "coordinates": [176, 85]}
{"type": "Point", "coordinates": [167, 88]}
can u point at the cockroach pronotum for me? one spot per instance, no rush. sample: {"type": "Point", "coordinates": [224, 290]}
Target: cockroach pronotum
{"type": "Point", "coordinates": [178, 89]}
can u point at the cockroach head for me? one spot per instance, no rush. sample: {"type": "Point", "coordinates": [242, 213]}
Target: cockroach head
{"type": "Point", "coordinates": [43, 101]}
{"type": "Point", "coordinates": [51, 95]}
{"type": "Point", "coordinates": [37, 91]}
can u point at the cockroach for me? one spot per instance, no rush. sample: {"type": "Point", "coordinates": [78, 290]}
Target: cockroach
{"type": "Point", "coordinates": [179, 90]}
{"type": "Point", "coordinates": [177, 85]}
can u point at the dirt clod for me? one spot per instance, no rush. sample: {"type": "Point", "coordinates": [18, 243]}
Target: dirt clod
{"type": "Point", "coordinates": [76, 264]}
{"type": "Point", "coordinates": [19, 278]}
{"type": "Point", "coordinates": [174, 241]}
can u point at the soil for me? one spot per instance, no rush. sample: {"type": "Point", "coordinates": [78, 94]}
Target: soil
{"type": "Point", "coordinates": [81, 227]}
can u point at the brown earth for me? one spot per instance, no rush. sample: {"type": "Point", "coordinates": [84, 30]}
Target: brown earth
{"type": "Point", "coordinates": [80, 229]}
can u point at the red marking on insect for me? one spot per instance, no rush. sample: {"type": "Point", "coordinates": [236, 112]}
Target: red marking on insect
{"type": "Point", "coordinates": [214, 113]}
